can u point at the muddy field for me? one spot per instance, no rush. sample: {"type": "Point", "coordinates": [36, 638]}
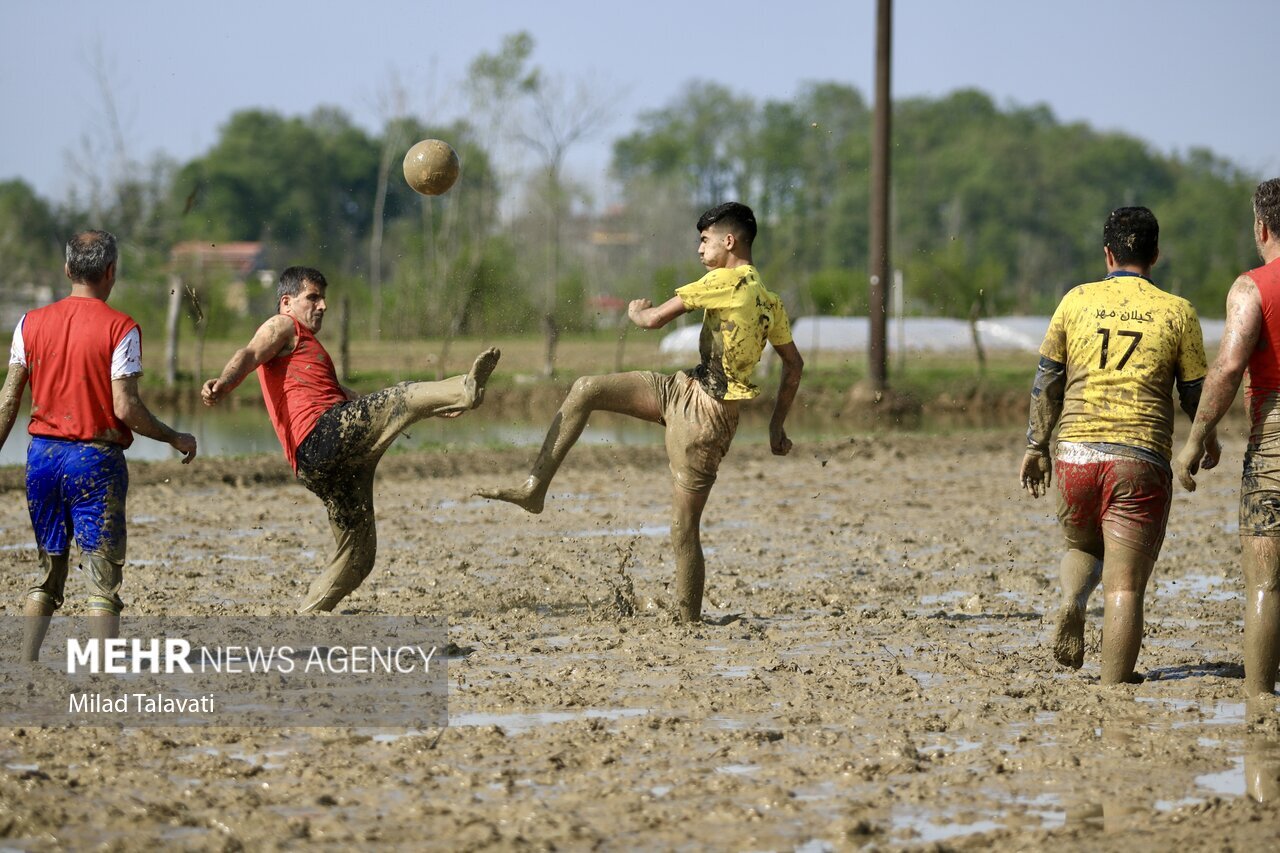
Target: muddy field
{"type": "Point", "coordinates": [874, 671]}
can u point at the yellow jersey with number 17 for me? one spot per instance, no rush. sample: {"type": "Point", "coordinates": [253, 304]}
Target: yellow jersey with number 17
{"type": "Point", "coordinates": [1124, 342]}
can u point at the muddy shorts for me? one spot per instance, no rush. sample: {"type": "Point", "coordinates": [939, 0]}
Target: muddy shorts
{"type": "Point", "coordinates": [699, 428]}
{"type": "Point", "coordinates": [1260, 481]}
{"type": "Point", "coordinates": [1125, 498]}
{"type": "Point", "coordinates": [78, 489]}
{"type": "Point", "coordinates": [336, 463]}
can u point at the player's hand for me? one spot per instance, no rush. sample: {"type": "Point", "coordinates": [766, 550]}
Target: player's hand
{"type": "Point", "coordinates": [778, 441]}
{"type": "Point", "coordinates": [636, 306]}
{"type": "Point", "coordinates": [1194, 456]}
{"type": "Point", "coordinates": [207, 395]}
{"type": "Point", "coordinates": [1036, 474]}
{"type": "Point", "coordinates": [1212, 453]}
{"type": "Point", "coordinates": [185, 443]}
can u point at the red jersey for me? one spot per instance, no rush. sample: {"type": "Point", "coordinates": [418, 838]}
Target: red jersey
{"type": "Point", "coordinates": [1264, 363]}
{"type": "Point", "coordinates": [68, 346]}
{"type": "Point", "coordinates": [298, 388]}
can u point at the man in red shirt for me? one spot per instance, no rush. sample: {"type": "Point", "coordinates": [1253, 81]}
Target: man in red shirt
{"type": "Point", "coordinates": [331, 436]}
{"type": "Point", "coordinates": [83, 360]}
{"type": "Point", "coordinates": [1251, 339]}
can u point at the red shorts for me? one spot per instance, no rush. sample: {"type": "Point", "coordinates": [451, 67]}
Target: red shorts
{"type": "Point", "coordinates": [1102, 493]}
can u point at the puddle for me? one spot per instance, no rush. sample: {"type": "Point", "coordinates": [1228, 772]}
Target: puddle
{"type": "Point", "coordinates": [1227, 783]}
{"type": "Point", "coordinates": [1204, 587]}
{"type": "Point", "coordinates": [643, 530]}
{"type": "Point", "coordinates": [738, 769]}
{"type": "Point", "coordinates": [923, 828]}
{"type": "Point", "coordinates": [518, 723]}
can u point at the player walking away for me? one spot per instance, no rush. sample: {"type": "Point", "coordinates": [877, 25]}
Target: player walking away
{"type": "Point", "coordinates": [332, 437]}
{"type": "Point", "coordinates": [698, 407]}
{"type": "Point", "coordinates": [83, 360]}
{"type": "Point", "coordinates": [1113, 353]}
{"type": "Point", "coordinates": [1251, 339]}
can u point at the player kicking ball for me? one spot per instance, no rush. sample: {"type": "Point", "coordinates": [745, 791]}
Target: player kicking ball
{"type": "Point", "coordinates": [698, 407]}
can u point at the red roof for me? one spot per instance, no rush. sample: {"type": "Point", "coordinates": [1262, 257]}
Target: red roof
{"type": "Point", "coordinates": [242, 257]}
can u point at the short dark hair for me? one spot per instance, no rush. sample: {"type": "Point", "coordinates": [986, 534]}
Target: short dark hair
{"type": "Point", "coordinates": [292, 279]}
{"type": "Point", "coordinates": [1133, 236]}
{"type": "Point", "coordinates": [89, 253]}
{"type": "Point", "coordinates": [733, 215]}
{"type": "Point", "coordinates": [1266, 205]}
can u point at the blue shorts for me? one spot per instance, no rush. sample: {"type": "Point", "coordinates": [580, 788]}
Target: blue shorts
{"type": "Point", "coordinates": [77, 487]}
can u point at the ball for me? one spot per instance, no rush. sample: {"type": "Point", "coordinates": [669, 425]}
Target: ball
{"type": "Point", "coordinates": [431, 167]}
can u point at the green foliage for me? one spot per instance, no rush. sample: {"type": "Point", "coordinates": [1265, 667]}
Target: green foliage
{"type": "Point", "coordinates": [839, 292]}
{"type": "Point", "coordinates": [1009, 202]}
{"type": "Point", "coordinates": [995, 208]}
{"type": "Point", "coordinates": [31, 242]}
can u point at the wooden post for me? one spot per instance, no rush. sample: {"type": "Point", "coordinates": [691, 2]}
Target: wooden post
{"type": "Point", "coordinates": [877, 369]}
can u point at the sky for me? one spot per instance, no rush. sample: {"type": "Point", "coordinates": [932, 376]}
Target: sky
{"type": "Point", "coordinates": [1178, 74]}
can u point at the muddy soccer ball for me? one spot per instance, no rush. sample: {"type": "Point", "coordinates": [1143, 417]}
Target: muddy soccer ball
{"type": "Point", "coordinates": [431, 167]}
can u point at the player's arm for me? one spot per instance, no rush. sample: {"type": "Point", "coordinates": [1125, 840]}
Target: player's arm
{"type": "Point", "coordinates": [792, 368]}
{"type": "Point", "coordinates": [272, 338]}
{"type": "Point", "coordinates": [1240, 337]}
{"type": "Point", "coordinates": [130, 409]}
{"type": "Point", "coordinates": [1047, 393]}
{"type": "Point", "coordinates": [646, 315]}
{"type": "Point", "coordinates": [11, 399]}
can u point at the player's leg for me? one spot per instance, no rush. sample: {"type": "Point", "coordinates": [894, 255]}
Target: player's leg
{"type": "Point", "coordinates": [42, 600]}
{"type": "Point", "coordinates": [699, 431]}
{"type": "Point", "coordinates": [51, 524]}
{"type": "Point", "coordinates": [1125, 571]}
{"type": "Point", "coordinates": [633, 394]}
{"type": "Point", "coordinates": [1079, 510]}
{"type": "Point", "coordinates": [394, 409]}
{"type": "Point", "coordinates": [97, 486]}
{"type": "Point", "coordinates": [686, 541]}
{"type": "Point", "coordinates": [1261, 558]}
{"type": "Point", "coordinates": [1136, 498]}
{"type": "Point", "coordinates": [1079, 574]}
{"type": "Point", "coordinates": [349, 502]}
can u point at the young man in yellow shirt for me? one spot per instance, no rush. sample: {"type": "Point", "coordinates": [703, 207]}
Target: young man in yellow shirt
{"type": "Point", "coordinates": [698, 407]}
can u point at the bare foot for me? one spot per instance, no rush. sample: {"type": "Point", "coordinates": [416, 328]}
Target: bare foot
{"type": "Point", "coordinates": [528, 496]}
{"type": "Point", "coordinates": [1068, 639]}
{"type": "Point", "coordinates": [481, 370]}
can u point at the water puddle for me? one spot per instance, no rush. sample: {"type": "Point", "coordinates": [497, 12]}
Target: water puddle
{"type": "Point", "coordinates": [643, 530]}
{"type": "Point", "coordinates": [1204, 587]}
{"type": "Point", "coordinates": [929, 828]}
{"type": "Point", "coordinates": [519, 723]}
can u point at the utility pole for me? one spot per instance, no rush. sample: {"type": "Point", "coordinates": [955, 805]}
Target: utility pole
{"type": "Point", "coordinates": [880, 157]}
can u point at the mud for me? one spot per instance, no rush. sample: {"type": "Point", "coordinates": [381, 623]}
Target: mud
{"type": "Point", "coordinates": [877, 671]}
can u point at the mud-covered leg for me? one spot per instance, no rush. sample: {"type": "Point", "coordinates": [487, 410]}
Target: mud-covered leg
{"type": "Point", "coordinates": [1124, 580]}
{"type": "Point", "coordinates": [380, 417]}
{"type": "Point", "coordinates": [626, 393]}
{"type": "Point", "coordinates": [1079, 573]}
{"type": "Point", "coordinates": [686, 540]}
{"type": "Point", "coordinates": [355, 534]}
{"type": "Point", "coordinates": [42, 600]}
{"type": "Point", "coordinates": [1261, 557]}
{"type": "Point", "coordinates": [106, 576]}
{"type": "Point", "coordinates": [36, 613]}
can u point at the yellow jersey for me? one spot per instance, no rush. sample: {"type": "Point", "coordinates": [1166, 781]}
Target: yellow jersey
{"type": "Point", "coordinates": [1124, 342]}
{"type": "Point", "coordinates": [741, 316]}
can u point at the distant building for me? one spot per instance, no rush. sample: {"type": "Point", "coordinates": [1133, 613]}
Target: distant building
{"type": "Point", "coordinates": [232, 266]}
